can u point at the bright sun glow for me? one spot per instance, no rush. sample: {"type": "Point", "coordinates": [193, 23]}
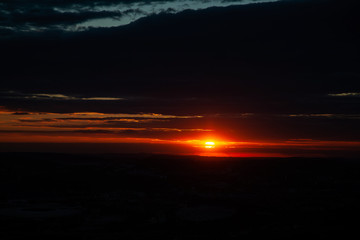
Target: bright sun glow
{"type": "Point", "coordinates": [209, 144]}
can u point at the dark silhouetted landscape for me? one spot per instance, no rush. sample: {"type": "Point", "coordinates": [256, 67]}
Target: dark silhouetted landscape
{"type": "Point", "coordinates": [56, 196]}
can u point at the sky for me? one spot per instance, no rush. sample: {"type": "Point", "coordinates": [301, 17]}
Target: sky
{"type": "Point", "coordinates": [211, 78]}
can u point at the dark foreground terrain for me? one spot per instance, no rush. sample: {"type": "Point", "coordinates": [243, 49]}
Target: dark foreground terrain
{"type": "Point", "coordinates": [56, 196]}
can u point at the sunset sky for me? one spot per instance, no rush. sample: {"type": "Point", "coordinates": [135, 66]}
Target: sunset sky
{"type": "Point", "coordinates": [212, 78]}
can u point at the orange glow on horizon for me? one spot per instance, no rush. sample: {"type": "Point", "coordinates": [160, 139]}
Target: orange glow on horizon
{"type": "Point", "coordinates": [213, 148]}
{"type": "Point", "coordinates": [155, 131]}
{"type": "Point", "coordinates": [69, 137]}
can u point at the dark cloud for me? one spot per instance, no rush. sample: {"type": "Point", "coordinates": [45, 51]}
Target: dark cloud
{"type": "Point", "coordinates": [160, 134]}
{"type": "Point", "coordinates": [20, 113]}
{"type": "Point", "coordinates": [36, 120]}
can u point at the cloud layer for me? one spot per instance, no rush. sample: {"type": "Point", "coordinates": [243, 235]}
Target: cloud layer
{"type": "Point", "coordinates": [73, 15]}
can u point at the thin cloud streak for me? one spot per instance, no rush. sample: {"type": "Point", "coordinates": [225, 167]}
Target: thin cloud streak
{"type": "Point", "coordinates": [55, 96]}
{"type": "Point", "coordinates": [349, 94]}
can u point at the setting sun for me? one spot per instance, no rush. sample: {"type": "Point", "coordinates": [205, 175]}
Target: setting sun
{"type": "Point", "coordinates": [209, 144]}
